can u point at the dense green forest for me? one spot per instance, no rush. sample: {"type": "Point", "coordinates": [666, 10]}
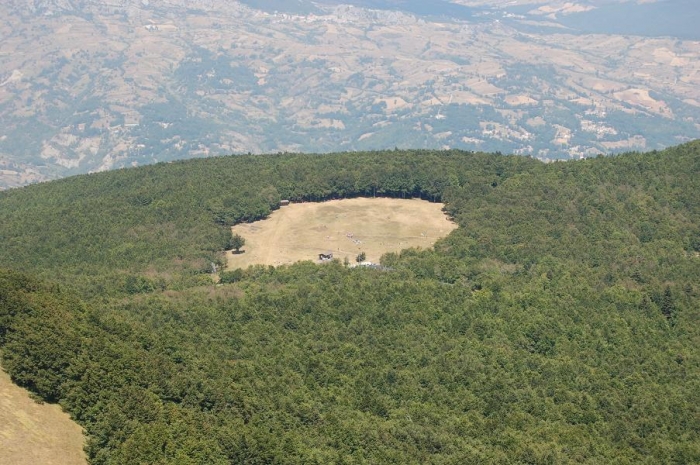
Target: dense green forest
{"type": "Point", "coordinates": [557, 324]}
{"type": "Point", "coordinates": [167, 223]}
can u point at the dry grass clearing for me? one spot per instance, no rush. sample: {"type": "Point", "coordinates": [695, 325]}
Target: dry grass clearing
{"type": "Point", "coordinates": [32, 433]}
{"type": "Point", "coordinates": [344, 227]}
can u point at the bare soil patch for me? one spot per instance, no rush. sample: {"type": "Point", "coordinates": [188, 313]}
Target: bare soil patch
{"type": "Point", "coordinates": [345, 228]}
{"type": "Point", "coordinates": [32, 433]}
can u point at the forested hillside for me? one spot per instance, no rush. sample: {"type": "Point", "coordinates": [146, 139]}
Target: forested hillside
{"type": "Point", "coordinates": [172, 220]}
{"type": "Point", "coordinates": [557, 324]}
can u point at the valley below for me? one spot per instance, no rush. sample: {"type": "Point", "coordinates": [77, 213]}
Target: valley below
{"type": "Point", "coordinates": [128, 83]}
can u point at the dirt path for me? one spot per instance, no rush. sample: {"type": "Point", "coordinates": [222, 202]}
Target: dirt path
{"type": "Point", "coordinates": [32, 433]}
{"type": "Point", "coordinates": [343, 227]}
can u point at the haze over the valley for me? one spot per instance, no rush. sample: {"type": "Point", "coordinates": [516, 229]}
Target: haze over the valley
{"type": "Point", "coordinates": [92, 85]}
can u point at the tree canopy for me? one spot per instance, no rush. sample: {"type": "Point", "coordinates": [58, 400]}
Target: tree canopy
{"type": "Point", "coordinates": [236, 243]}
{"type": "Point", "coordinates": [557, 324]}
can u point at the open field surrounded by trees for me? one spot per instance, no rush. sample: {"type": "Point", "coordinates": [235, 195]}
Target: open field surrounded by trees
{"type": "Point", "coordinates": [557, 324]}
{"type": "Point", "coordinates": [344, 228]}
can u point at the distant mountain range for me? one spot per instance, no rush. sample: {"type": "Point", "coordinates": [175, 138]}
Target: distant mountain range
{"type": "Point", "coordinates": [88, 86]}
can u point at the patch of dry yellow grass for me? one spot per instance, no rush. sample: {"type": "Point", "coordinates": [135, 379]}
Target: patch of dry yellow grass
{"type": "Point", "coordinates": [344, 227]}
{"type": "Point", "coordinates": [32, 433]}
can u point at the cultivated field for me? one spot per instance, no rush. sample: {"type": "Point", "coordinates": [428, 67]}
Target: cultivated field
{"type": "Point", "coordinates": [32, 434]}
{"type": "Point", "coordinates": [344, 227]}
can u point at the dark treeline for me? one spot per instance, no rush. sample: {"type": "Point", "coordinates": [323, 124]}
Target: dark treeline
{"type": "Point", "coordinates": [557, 324]}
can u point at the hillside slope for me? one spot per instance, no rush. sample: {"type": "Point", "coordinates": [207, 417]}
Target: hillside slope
{"type": "Point", "coordinates": [32, 433]}
{"type": "Point", "coordinates": [171, 221]}
{"type": "Point", "coordinates": [557, 324]}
